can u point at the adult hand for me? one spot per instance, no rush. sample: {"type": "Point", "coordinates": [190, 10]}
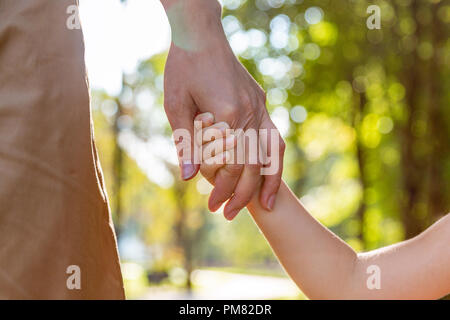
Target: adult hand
{"type": "Point", "coordinates": [203, 75]}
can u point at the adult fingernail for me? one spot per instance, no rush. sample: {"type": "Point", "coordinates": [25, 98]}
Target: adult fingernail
{"type": "Point", "coordinates": [271, 202]}
{"type": "Point", "coordinates": [187, 170]}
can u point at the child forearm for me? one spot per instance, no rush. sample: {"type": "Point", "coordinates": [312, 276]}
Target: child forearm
{"type": "Point", "coordinates": [318, 261]}
{"type": "Point", "coordinates": [325, 267]}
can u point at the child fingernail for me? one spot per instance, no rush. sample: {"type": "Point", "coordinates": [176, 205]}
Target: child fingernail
{"type": "Point", "coordinates": [226, 156]}
{"type": "Point", "coordinates": [229, 142]}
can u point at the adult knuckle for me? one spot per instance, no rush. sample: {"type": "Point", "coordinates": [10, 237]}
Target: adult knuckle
{"type": "Point", "coordinates": [229, 112]}
{"type": "Point", "coordinates": [246, 101]}
{"type": "Point", "coordinates": [174, 110]}
{"type": "Point", "coordinates": [170, 101]}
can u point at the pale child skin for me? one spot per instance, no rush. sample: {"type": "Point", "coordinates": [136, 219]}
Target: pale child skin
{"type": "Point", "coordinates": [324, 266]}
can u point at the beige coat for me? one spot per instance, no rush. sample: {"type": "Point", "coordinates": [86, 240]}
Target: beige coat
{"type": "Point", "coordinates": [53, 205]}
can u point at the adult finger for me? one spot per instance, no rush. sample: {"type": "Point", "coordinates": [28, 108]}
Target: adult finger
{"type": "Point", "coordinates": [181, 113]}
{"type": "Point", "coordinates": [209, 168]}
{"type": "Point", "coordinates": [244, 191]}
{"type": "Point", "coordinates": [249, 180]}
{"type": "Point", "coordinates": [225, 183]}
{"type": "Point", "coordinates": [274, 147]}
{"type": "Point", "coordinates": [203, 120]}
{"type": "Point", "coordinates": [215, 147]}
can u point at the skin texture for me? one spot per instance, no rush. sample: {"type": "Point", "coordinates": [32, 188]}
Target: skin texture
{"type": "Point", "coordinates": [325, 267]}
{"type": "Point", "coordinates": [203, 75]}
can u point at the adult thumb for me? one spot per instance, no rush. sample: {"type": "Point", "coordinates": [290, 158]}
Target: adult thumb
{"type": "Point", "coordinates": [183, 134]}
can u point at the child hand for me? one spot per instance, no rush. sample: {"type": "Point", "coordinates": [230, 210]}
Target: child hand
{"type": "Point", "coordinates": [215, 142]}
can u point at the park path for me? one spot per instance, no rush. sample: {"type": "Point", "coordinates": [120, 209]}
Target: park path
{"type": "Point", "coordinates": [220, 285]}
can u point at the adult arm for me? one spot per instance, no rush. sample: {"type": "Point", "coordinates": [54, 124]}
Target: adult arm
{"type": "Point", "coordinates": [203, 75]}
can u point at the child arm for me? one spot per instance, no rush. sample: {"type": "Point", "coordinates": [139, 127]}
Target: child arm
{"type": "Point", "coordinates": [325, 267]}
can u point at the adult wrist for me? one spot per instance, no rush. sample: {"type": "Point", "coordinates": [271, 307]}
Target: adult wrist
{"type": "Point", "coordinates": [193, 22]}
{"type": "Point", "coordinates": [212, 6]}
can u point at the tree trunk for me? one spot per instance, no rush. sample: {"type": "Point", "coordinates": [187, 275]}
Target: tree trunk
{"type": "Point", "coordinates": [118, 172]}
{"type": "Point", "coordinates": [413, 169]}
{"type": "Point", "coordinates": [358, 114]}
{"type": "Point", "coordinates": [437, 138]}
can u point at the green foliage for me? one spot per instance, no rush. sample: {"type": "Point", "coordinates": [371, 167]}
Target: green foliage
{"type": "Point", "coordinates": [365, 114]}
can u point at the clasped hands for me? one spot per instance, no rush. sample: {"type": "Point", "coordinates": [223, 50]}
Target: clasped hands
{"type": "Point", "coordinates": [217, 145]}
{"type": "Point", "coordinates": [203, 75]}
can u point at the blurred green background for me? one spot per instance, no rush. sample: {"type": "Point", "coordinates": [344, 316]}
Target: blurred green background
{"type": "Point", "coordinates": [366, 117]}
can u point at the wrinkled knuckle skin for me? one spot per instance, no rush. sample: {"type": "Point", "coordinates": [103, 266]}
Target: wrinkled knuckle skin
{"type": "Point", "coordinates": [229, 113]}
{"type": "Point", "coordinates": [174, 110]}
{"type": "Point", "coordinates": [170, 103]}
{"type": "Point", "coordinates": [246, 101]}
{"type": "Point", "coordinates": [234, 169]}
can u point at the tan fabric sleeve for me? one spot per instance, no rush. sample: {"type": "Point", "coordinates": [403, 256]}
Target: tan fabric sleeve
{"type": "Point", "coordinates": [53, 207]}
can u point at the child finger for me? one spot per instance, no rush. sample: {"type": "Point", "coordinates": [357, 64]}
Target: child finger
{"type": "Point", "coordinates": [210, 149]}
{"type": "Point", "coordinates": [211, 133]}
